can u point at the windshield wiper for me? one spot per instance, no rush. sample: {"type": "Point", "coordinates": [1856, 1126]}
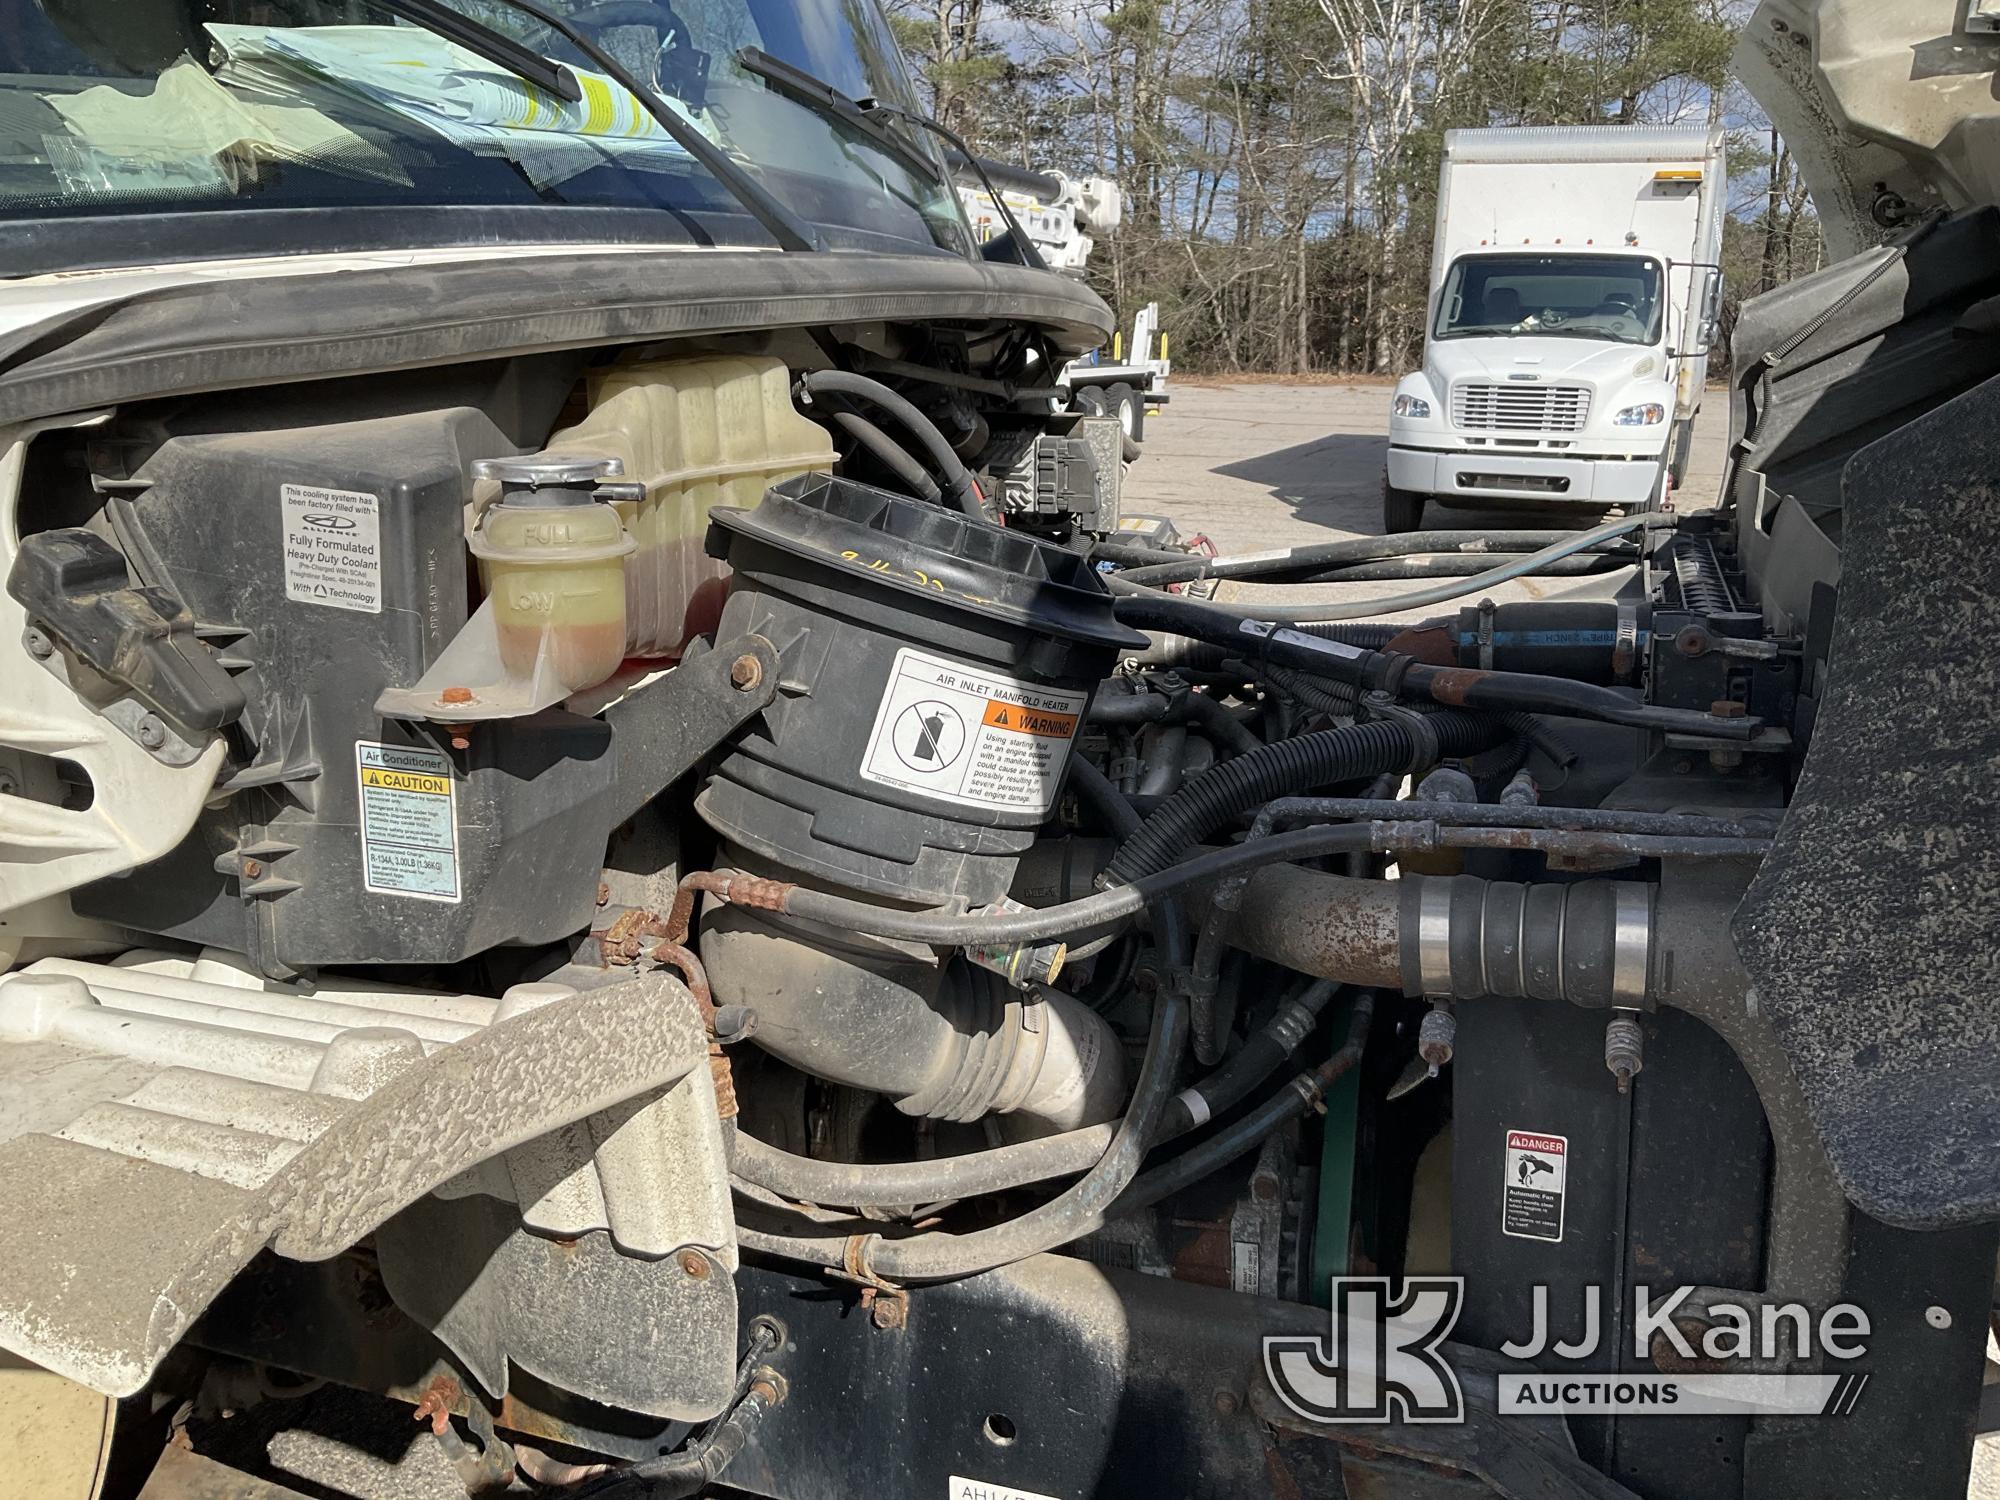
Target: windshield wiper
{"type": "Point", "coordinates": [482, 41]}
{"type": "Point", "coordinates": [826, 100]}
{"type": "Point", "coordinates": [496, 47]}
{"type": "Point", "coordinates": [870, 117]}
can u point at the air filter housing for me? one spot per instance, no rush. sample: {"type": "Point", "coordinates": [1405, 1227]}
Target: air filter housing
{"type": "Point", "coordinates": [936, 670]}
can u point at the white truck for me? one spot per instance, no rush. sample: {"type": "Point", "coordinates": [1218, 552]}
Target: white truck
{"type": "Point", "coordinates": [1575, 287]}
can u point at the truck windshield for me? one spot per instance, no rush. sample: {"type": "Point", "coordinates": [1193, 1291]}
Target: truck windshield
{"type": "Point", "coordinates": [230, 109]}
{"type": "Point", "coordinates": [1565, 296]}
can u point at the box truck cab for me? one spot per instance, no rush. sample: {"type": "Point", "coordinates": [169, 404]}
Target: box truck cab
{"type": "Point", "coordinates": [1574, 291]}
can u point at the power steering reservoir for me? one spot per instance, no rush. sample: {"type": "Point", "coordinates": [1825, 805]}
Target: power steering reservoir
{"type": "Point", "coordinates": [936, 671]}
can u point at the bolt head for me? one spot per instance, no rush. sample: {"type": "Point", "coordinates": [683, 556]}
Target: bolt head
{"type": "Point", "coordinates": [152, 733]}
{"type": "Point", "coordinates": [695, 1264]}
{"type": "Point", "coordinates": [1226, 1403]}
{"type": "Point", "coordinates": [252, 869]}
{"type": "Point", "coordinates": [1727, 708]}
{"type": "Point", "coordinates": [455, 695]}
{"type": "Point", "coordinates": [746, 672]}
{"type": "Point", "coordinates": [39, 645]}
{"type": "Point", "coordinates": [889, 1312]}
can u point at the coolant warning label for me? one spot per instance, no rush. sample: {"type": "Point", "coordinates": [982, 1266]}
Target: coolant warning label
{"type": "Point", "coordinates": [409, 821]}
{"type": "Point", "coordinates": [333, 547]}
{"type": "Point", "coordinates": [969, 736]}
{"type": "Point", "coordinates": [1537, 1181]}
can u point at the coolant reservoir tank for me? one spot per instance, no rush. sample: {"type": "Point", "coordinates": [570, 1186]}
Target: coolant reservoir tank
{"type": "Point", "coordinates": [692, 434]}
{"type": "Point", "coordinates": [552, 549]}
{"type": "Point", "coordinates": [553, 556]}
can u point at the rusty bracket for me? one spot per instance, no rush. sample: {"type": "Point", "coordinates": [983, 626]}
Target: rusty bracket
{"type": "Point", "coordinates": [887, 1304]}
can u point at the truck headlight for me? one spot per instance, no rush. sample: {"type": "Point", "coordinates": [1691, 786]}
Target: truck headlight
{"type": "Point", "coordinates": [1652, 414]}
{"type": "Point", "coordinates": [1412, 406]}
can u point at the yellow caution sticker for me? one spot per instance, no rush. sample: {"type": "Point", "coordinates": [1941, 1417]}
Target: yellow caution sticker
{"type": "Point", "coordinates": [409, 821]}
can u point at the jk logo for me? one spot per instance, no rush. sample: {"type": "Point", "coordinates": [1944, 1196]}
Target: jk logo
{"type": "Point", "coordinates": [1380, 1362]}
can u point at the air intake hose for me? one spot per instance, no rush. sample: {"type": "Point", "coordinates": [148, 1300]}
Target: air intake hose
{"type": "Point", "coordinates": [1288, 768]}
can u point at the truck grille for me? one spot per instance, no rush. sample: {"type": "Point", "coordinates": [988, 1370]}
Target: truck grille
{"type": "Point", "coordinates": [1520, 408]}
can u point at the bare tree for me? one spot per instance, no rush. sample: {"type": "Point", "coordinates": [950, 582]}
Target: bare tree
{"type": "Point", "coordinates": [1400, 61]}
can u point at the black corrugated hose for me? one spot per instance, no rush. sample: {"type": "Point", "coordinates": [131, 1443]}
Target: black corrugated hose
{"type": "Point", "coordinates": [1288, 768]}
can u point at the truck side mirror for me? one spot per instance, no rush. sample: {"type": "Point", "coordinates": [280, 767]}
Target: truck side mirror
{"type": "Point", "coordinates": [1708, 323]}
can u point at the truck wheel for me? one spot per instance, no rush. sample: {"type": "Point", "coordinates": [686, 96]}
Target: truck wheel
{"type": "Point", "coordinates": [1682, 450]}
{"type": "Point", "coordinates": [1402, 510]}
{"type": "Point", "coordinates": [1129, 407]}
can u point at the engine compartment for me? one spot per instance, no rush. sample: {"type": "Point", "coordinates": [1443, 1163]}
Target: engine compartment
{"type": "Point", "coordinates": [554, 870]}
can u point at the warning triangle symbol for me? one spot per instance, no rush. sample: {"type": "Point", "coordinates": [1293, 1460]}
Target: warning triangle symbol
{"type": "Point", "coordinates": [320, 590]}
{"type": "Point", "coordinates": [1000, 719]}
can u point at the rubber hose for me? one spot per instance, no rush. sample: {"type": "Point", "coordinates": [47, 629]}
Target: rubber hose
{"type": "Point", "coordinates": [938, 1257]}
{"type": "Point", "coordinates": [1329, 697]}
{"type": "Point", "coordinates": [957, 478]}
{"type": "Point", "coordinates": [1165, 765]}
{"type": "Point", "coordinates": [874, 1184]}
{"type": "Point", "coordinates": [1351, 753]}
{"type": "Point", "coordinates": [1405, 569]}
{"type": "Point", "coordinates": [892, 453]}
{"type": "Point", "coordinates": [1327, 611]}
{"type": "Point", "coordinates": [1318, 556]}
{"type": "Point", "coordinates": [1206, 712]}
{"type": "Point", "coordinates": [1215, 719]}
{"type": "Point", "coordinates": [870, 1184]}
{"type": "Point", "coordinates": [1175, 650]}
{"type": "Point", "coordinates": [1123, 710]}
{"type": "Point", "coordinates": [1079, 1209]}
{"type": "Point", "coordinates": [1245, 1135]}
{"type": "Point", "coordinates": [1094, 913]}
{"type": "Point", "coordinates": [1536, 731]}
{"type": "Point", "coordinates": [1260, 633]}
{"type": "Point", "coordinates": [1170, 924]}
{"type": "Point", "coordinates": [1257, 1059]}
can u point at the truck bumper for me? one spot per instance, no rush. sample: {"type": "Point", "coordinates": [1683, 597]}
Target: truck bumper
{"type": "Point", "coordinates": [1544, 478]}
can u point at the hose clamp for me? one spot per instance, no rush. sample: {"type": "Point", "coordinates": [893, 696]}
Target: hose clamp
{"type": "Point", "coordinates": [1625, 650]}
{"type": "Point", "coordinates": [1632, 942]}
{"type": "Point", "coordinates": [1434, 939]}
{"type": "Point", "coordinates": [1424, 747]}
{"type": "Point", "coordinates": [1486, 612]}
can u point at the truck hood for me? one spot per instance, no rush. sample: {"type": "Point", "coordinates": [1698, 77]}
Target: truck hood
{"type": "Point", "coordinates": [1889, 109]}
{"type": "Point", "coordinates": [100, 339]}
{"type": "Point", "coordinates": [1548, 360]}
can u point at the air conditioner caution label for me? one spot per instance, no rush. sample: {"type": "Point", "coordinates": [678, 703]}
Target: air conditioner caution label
{"type": "Point", "coordinates": [965, 735]}
{"type": "Point", "coordinates": [1536, 1185]}
{"type": "Point", "coordinates": [409, 821]}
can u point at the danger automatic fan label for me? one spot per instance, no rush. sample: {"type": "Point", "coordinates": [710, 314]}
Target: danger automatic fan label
{"type": "Point", "coordinates": [1536, 1185]}
{"type": "Point", "coordinates": [969, 736]}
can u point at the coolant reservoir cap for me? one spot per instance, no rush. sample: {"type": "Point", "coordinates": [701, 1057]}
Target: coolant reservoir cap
{"type": "Point", "coordinates": [893, 541]}
{"type": "Point", "coordinates": [549, 480]}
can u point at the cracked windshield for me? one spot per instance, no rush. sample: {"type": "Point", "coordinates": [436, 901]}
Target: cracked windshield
{"type": "Point", "coordinates": [225, 106]}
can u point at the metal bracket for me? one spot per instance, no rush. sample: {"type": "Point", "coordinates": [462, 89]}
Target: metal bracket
{"type": "Point", "coordinates": [660, 731]}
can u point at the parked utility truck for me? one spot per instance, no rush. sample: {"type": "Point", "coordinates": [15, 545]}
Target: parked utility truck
{"type": "Point", "coordinates": [1575, 283]}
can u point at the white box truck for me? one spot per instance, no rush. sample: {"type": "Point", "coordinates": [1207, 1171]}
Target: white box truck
{"type": "Point", "coordinates": [1575, 284]}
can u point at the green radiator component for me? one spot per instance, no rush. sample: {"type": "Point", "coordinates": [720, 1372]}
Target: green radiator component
{"type": "Point", "coordinates": [1334, 1211]}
